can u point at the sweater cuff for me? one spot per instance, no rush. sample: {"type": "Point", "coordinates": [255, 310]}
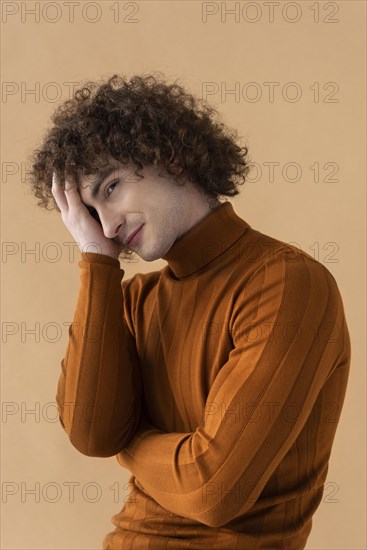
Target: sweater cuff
{"type": "Point", "coordinates": [99, 258]}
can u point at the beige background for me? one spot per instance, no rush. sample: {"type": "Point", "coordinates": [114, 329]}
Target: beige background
{"type": "Point", "coordinates": [40, 281]}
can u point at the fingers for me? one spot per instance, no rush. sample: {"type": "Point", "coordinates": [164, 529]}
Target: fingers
{"type": "Point", "coordinates": [72, 194]}
{"type": "Point", "coordinates": [68, 197]}
{"type": "Point", "coordinates": [59, 195]}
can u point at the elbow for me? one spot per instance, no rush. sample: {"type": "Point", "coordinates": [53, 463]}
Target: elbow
{"type": "Point", "coordinates": [95, 452]}
{"type": "Point", "coordinates": [212, 520]}
{"type": "Point", "coordinates": [98, 446]}
{"type": "Point", "coordinates": [216, 513]}
{"type": "Point", "coordinates": [98, 439]}
{"type": "Point", "coordinates": [93, 449]}
{"type": "Point", "coordinates": [205, 512]}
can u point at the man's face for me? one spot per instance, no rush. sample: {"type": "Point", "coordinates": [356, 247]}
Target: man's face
{"type": "Point", "coordinates": [124, 202]}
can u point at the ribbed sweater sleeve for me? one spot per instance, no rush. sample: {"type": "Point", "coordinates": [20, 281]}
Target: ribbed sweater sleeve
{"type": "Point", "coordinates": [289, 336]}
{"type": "Point", "coordinates": [99, 388]}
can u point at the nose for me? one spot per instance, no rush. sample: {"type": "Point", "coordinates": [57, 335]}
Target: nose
{"type": "Point", "coordinates": [110, 226]}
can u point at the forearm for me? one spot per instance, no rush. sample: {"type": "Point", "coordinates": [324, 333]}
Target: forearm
{"type": "Point", "coordinates": [99, 389]}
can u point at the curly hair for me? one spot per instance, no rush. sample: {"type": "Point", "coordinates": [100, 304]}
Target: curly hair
{"type": "Point", "coordinates": [138, 122]}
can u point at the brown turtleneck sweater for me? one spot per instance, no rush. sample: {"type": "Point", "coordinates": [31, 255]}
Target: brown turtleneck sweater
{"type": "Point", "coordinates": [218, 381]}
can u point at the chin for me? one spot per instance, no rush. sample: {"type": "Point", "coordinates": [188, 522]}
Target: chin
{"type": "Point", "coordinates": [151, 253]}
{"type": "Point", "coordinates": [144, 254]}
{"type": "Point", "coordinates": [155, 253]}
{"type": "Point", "coordinates": [148, 258]}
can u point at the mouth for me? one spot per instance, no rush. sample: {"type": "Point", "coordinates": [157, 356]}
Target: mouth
{"type": "Point", "coordinates": [134, 236]}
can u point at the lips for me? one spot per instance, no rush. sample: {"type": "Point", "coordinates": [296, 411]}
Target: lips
{"type": "Point", "coordinates": [133, 234]}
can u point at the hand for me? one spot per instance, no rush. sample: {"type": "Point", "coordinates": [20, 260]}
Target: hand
{"type": "Point", "coordinates": [84, 228]}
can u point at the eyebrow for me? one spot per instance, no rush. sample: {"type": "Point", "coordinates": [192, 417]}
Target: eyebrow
{"type": "Point", "coordinates": [97, 184]}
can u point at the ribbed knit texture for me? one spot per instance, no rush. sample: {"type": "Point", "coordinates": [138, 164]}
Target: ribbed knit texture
{"type": "Point", "coordinates": [217, 381]}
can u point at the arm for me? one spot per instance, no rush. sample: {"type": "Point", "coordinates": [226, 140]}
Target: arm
{"type": "Point", "coordinates": [289, 336]}
{"type": "Point", "coordinates": [99, 389]}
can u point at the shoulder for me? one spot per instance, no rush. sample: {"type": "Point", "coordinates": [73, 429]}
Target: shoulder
{"type": "Point", "coordinates": [268, 251]}
{"type": "Point", "coordinates": [269, 265]}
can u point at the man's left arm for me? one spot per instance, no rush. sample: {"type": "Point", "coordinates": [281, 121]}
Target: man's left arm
{"type": "Point", "coordinates": [289, 334]}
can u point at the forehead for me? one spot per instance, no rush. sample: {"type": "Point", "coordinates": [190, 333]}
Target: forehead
{"type": "Point", "coordinates": [86, 180]}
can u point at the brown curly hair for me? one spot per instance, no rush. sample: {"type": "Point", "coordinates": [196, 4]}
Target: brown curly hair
{"type": "Point", "coordinates": [138, 122]}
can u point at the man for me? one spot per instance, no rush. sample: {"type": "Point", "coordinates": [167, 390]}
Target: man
{"type": "Point", "coordinates": [218, 381]}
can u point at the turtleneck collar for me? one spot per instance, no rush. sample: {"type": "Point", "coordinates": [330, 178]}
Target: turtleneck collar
{"type": "Point", "coordinates": [205, 241]}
